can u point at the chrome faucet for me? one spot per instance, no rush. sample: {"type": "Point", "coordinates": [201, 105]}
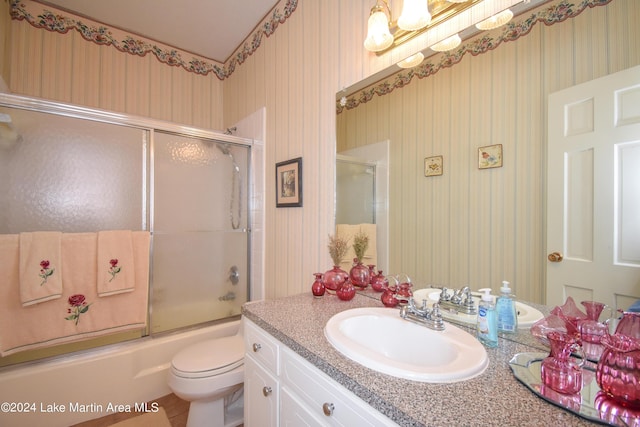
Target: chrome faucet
{"type": "Point", "coordinates": [459, 301]}
{"type": "Point", "coordinates": [432, 319]}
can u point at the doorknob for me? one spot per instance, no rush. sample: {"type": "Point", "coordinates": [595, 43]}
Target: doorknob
{"type": "Point", "coordinates": [555, 257]}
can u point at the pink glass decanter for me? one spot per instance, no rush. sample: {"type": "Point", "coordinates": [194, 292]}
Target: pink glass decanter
{"type": "Point", "coordinates": [379, 283]}
{"type": "Point", "coordinates": [334, 278]}
{"type": "Point", "coordinates": [388, 296]}
{"type": "Point", "coordinates": [347, 291]}
{"type": "Point", "coordinates": [318, 288]}
{"type": "Point", "coordinates": [559, 370]}
{"type": "Point", "coordinates": [359, 274]}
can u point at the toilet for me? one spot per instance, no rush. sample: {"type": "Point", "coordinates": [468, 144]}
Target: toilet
{"type": "Point", "coordinates": [210, 375]}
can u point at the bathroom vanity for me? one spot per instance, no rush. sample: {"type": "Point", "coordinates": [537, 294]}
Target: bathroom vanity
{"type": "Point", "coordinates": [293, 376]}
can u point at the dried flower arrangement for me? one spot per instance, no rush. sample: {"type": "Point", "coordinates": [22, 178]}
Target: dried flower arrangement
{"type": "Point", "coordinates": [337, 248]}
{"type": "Point", "coordinates": [360, 245]}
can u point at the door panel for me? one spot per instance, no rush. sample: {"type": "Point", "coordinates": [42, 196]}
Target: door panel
{"type": "Point", "coordinates": [593, 190]}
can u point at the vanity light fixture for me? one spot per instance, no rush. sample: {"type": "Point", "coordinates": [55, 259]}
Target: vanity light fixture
{"type": "Point", "coordinates": [418, 16]}
{"type": "Point", "coordinates": [447, 44]}
{"type": "Point", "coordinates": [415, 15]}
{"type": "Point", "coordinates": [378, 35]}
{"type": "Point", "coordinates": [495, 21]}
{"type": "Point", "coordinates": [412, 61]}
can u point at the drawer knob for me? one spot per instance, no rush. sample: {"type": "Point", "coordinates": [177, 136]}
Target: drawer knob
{"type": "Point", "coordinates": [256, 347]}
{"type": "Point", "coordinates": [328, 408]}
{"type": "Point", "coordinates": [266, 391]}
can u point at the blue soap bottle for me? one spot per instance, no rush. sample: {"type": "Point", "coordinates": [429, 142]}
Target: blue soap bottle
{"type": "Point", "coordinates": [487, 327]}
{"type": "Point", "coordinates": [506, 308]}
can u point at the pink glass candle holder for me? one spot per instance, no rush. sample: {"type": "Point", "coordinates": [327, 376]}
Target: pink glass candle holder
{"type": "Point", "coordinates": [559, 370]}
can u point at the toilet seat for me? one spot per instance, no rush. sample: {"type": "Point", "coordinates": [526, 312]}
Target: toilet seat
{"type": "Point", "coordinates": [209, 358]}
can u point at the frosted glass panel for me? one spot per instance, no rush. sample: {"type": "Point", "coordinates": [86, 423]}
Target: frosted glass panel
{"type": "Point", "coordinates": [355, 192]}
{"type": "Point", "coordinates": [71, 175]}
{"type": "Point", "coordinates": [208, 176]}
{"type": "Point", "coordinates": [200, 231]}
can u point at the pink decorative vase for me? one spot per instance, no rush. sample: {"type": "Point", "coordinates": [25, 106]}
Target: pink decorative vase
{"type": "Point", "coordinates": [592, 330]}
{"type": "Point", "coordinates": [388, 297]}
{"type": "Point", "coordinates": [629, 325]}
{"type": "Point", "coordinates": [618, 370]}
{"type": "Point", "coordinates": [318, 288]}
{"type": "Point", "coordinates": [559, 371]}
{"type": "Point", "coordinates": [378, 282]}
{"type": "Point", "coordinates": [372, 272]}
{"type": "Point", "coordinates": [334, 278]}
{"type": "Point", "coordinates": [347, 291]}
{"type": "Point", "coordinates": [359, 274]}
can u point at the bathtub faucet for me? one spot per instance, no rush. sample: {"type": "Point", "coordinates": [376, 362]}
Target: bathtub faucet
{"type": "Point", "coordinates": [230, 296]}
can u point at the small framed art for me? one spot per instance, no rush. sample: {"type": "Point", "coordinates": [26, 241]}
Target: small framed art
{"type": "Point", "coordinates": [433, 166]}
{"type": "Point", "coordinates": [490, 156]}
{"type": "Point", "coordinates": [289, 183]}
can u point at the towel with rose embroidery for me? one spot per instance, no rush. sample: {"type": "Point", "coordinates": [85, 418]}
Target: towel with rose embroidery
{"type": "Point", "coordinates": [40, 267]}
{"type": "Point", "coordinates": [115, 262]}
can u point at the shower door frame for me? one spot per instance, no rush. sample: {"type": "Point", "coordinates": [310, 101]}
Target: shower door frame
{"type": "Point", "coordinates": [150, 126]}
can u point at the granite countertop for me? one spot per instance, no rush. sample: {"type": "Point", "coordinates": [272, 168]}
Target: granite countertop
{"type": "Point", "coordinates": [495, 397]}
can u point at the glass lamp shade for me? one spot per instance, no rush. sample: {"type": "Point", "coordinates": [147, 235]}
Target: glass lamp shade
{"type": "Point", "coordinates": [447, 44]}
{"type": "Point", "coordinates": [412, 61]}
{"type": "Point", "coordinates": [415, 15]}
{"type": "Point", "coordinates": [495, 21]}
{"type": "Point", "coordinates": [378, 35]}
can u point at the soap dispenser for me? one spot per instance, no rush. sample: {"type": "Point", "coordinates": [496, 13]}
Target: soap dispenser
{"type": "Point", "coordinates": [506, 308]}
{"type": "Point", "coordinates": [487, 326]}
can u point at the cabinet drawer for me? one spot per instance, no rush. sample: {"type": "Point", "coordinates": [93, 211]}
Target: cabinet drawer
{"type": "Point", "coordinates": [262, 346]}
{"type": "Point", "coordinates": [320, 393]}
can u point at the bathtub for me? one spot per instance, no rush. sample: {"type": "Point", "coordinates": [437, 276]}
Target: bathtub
{"type": "Point", "coordinates": [76, 388]}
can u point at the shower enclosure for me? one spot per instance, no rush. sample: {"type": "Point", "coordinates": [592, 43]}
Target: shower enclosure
{"type": "Point", "coordinates": [71, 169]}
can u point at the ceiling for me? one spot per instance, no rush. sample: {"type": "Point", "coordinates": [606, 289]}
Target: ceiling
{"type": "Point", "coordinates": [209, 28]}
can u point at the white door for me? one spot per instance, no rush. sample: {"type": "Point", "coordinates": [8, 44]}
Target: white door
{"type": "Point", "coordinates": [593, 190]}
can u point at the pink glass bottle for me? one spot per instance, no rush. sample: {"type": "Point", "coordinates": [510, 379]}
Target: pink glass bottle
{"type": "Point", "coordinates": [318, 287]}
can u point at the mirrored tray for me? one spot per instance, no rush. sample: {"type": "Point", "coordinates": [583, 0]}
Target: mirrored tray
{"type": "Point", "coordinates": [590, 403]}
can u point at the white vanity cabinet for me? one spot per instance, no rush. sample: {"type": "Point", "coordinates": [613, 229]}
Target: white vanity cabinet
{"type": "Point", "coordinates": [261, 385]}
{"type": "Point", "coordinates": [305, 396]}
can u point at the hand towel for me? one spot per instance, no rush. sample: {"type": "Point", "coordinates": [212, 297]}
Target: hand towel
{"type": "Point", "coordinates": [40, 267]}
{"type": "Point", "coordinates": [115, 262]}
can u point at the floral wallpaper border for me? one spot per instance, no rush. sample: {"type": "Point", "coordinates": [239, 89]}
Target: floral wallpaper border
{"type": "Point", "coordinates": [39, 17]}
{"type": "Point", "coordinates": [548, 15]}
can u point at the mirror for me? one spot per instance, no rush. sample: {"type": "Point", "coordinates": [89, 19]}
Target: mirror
{"type": "Point", "coordinates": [472, 224]}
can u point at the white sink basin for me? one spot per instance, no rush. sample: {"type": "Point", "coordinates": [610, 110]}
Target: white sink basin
{"type": "Point", "coordinates": [380, 340]}
{"type": "Point", "coordinates": [527, 315]}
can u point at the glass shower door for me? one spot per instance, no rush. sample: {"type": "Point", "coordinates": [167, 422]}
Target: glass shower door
{"type": "Point", "coordinates": [200, 234]}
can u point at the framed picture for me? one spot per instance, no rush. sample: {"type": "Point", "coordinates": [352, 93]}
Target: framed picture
{"type": "Point", "coordinates": [289, 183]}
{"type": "Point", "coordinates": [490, 156]}
{"type": "Point", "coordinates": [433, 166]}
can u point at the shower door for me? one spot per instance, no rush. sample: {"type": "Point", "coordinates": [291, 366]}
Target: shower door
{"type": "Point", "coordinates": [200, 232]}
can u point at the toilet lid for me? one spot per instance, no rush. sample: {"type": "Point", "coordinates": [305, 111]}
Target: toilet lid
{"type": "Point", "coordinates": [211, 357]}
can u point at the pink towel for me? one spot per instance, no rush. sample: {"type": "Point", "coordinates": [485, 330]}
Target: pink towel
{"type": "Point", "coordinates": [80, 314]}
{"type": "Point", "coordinates": [115, 262]}
{"type": "Point", "coordinates": [40, 267]}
